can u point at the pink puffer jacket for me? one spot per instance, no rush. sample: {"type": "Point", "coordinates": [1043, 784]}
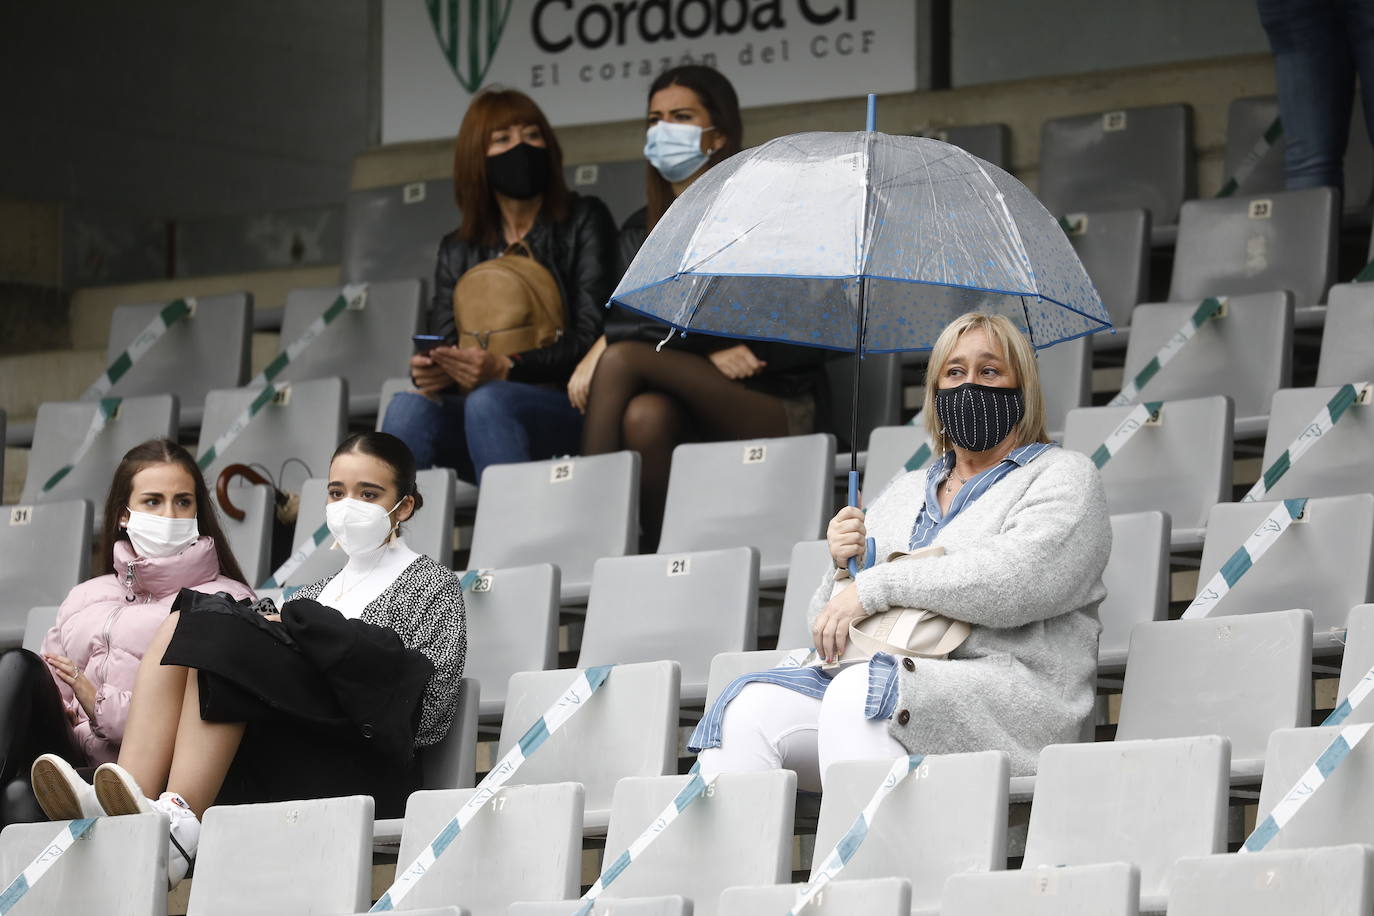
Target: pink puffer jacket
{"type": "Point", "coordinates": [106, 623]}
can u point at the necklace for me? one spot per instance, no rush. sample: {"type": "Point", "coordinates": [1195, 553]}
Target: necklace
{"type": "Point", "coordinates": [341, 590]}
{"type": "Point", "coordinates": [953, 474]}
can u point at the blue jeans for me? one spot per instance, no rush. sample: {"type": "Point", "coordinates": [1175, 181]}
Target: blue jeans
{"type": "Point", "coordinates": [1319, 46]}
{"type": "Point", "coordinates": [498, 423]}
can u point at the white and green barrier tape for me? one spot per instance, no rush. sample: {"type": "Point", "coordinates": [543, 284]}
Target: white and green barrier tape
{"type": "Point", "coordinates": [106, 410]}
{"type": "Point", "coordinates": [169, 315]}
{"type": "Point", "coordinates": [353, 296]}
{"type": "Point", "coordinates": [1321, 424]}
{"type": "Point", "coordinates": [1211, 308]}
{"type": "Point", "coordinates": [70, 833]}
{"type": "Point", "coordinates": [1135, 421]}
{"type": "Point", "coordinates": [1246, 556]}
{"type": "Point", "coordinates": [573, 700]}
{"type": "Point", "coordinates": [1246, 167]}
{"type": "Point", "coordinates": [297, 559]}
{"type": "Point", "coordinates": [1307, 785]}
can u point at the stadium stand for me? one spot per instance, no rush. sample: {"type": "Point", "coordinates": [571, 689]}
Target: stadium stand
{"type": "Point", "coordinates": [1341, 462]}
{"type": "Point", "coordinates": [1342, 811]}
{"type": "Point", "coordinates": [37, 625]}
{"type": "Point", "coordinates": [1114, 246]}
{"type": "Point", "coordinates": [250, 538]}
{"type": "Point", "coordinates": [1358, 657]}
{"type": "Point", "coordinates": [1325, 881]}
{"type": "Point", "coordinates": [1347, 353]}
{"type": "Point", "coordinates": [810, 559]}
{"type": "Point", "coordinates": [128, 853]}
{"type": "Point", "coordinates": [1066, 380]}
{"type": "Point", "coordinates": [876, 896]}
{"type": "Point", "coordinates": [393, 232]}
{"type": "Point", "coordinates": [890, 448]}
{"type": "Point", "coordinates": [45, 550]}
{"type": "Point", "coordinates": [512, 615]}
{"type": "Point", "coordinates": [667, 905]}
{"type": "Point", "coordinates": [1137, 582]}
{"type": "Point", "coordinates": [989, 142]}
{"type": "Point", "coordinates": [1109, 889]}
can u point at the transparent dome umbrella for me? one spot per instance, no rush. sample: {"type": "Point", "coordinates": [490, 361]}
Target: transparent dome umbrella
{"type": "Point", "coordinates": [862, 242]}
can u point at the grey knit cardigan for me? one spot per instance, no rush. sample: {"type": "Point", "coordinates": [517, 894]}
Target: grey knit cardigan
{"type": "Point", "coordinates": [1023, 565]}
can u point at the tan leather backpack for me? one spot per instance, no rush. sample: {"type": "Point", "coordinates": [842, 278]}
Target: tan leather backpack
{"type": "Point", "coordinates": [508, 304]}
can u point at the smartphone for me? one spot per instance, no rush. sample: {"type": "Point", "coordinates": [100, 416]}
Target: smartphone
{"type": "Point", "coordinates": [426, 342]}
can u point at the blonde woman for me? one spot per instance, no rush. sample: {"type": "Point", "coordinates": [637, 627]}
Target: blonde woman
{"type": "Point", "coordinates": [1026, 536]}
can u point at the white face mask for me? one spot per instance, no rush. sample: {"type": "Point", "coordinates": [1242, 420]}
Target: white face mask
{"type": "Point", "coordinates": [155, 536]}
{"type": "Point", "coordinates": [358, 527]}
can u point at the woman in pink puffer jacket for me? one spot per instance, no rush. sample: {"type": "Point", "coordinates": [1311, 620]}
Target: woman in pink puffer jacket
{"type": "Point", "coordinates": [160, 535]}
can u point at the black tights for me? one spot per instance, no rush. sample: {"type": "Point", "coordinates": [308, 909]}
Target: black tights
{"type": "Point", "coordinates": [32, 722]}
{"type": "Point", "coordinates": [649, 402]}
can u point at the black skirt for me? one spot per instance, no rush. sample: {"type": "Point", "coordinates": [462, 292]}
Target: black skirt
{"type": "Point", "coordinates": [298, 742]}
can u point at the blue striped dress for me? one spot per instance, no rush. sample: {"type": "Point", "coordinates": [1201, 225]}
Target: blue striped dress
{"type": "Point", "coordinates": [882, 668]}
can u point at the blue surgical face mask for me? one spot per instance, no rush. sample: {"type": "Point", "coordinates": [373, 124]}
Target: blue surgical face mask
{"type": "Point", "coordinates": [675, 149]}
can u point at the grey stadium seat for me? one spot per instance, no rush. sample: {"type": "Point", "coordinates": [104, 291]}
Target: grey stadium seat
{"type": "Point", "coordinates": [1341, 811]}
{"type": "Point", "coordinates": [620, 185]}
{"type": "Point", "coordinates": [727, 666]}
{"type": "Point", "coordinates": [989, 142]}
{"type": "Point", "coordinates": [45, 551]}
{"type": "Point", "coordinates": [364, 346]}
{"type": "Point", "coordinates": [1358, 658]}
{"type": "Point", "coordinates": [512, 614]}
{"type": "Point", "coordinates": [666, 905]}
{"type": "Point", "coordinates": [36, 626]}
{"type": "Point", "coordinates": [305, 857]}
{"type": "Point", "coordinates": [1341, 462]}
{"type": "Point", "coordinates": [964, 794]}
{"type": "Point", "coordinates": [810, 559]}
{"type": "Point", "coordinates": [198, 354]}
{"type": "Point", "coordinates": [525, 844]}
{"type": "Point", "coordinates": [293, 440]}
{"type": "Point", "coordinates": [566, 511]}
{"type": "Point", "coordinates": [889, 449]}
{"type": "Point", "coordinates": [1180, 466]}
{"type": "Point", "coordinates": [120, 864]}
{"type": "Point", "coordinates": [629, 728]}
{"type": "Point", "coordinates": [60, 429]}
{"type": "Point", "coordinates": [1347, 353]}
{"type": "Point", "coordinates": [1137, 581]}
{"type": "Point", "coordinates": [762, 493]}
{"type": "Point", "coordinates": [1108, 889]}
{"type": "Point", "coordinates": [1322, 563]}
{"type": "Point", "coordinates": [741, 834]}
{"type": "Point", "coordinates": [1065, 380]}
{"type": "Point", "coordinates": [393, 232]}
{"type": "Point", "coordinates": [880, 398]}
{"type": "Point", "coordinates": [1239, 245]}
{"type": "Point", "coordinates": [681, 606]}
{"type": "Point", "coordinates": [1246, 355]}
{"type": "Point", "coordinates": [429, 531]}
{"type": "Point", "coordinates": [250, 538]}
{"type": "Point", "coordinates": [841, 897]}
{"type": "Point", "coordinates": [1144, 802]}
{"type": "Point", "coordinates": [1114, 246]}
{"type": "Point", "coordinates": [1138, 157]}
{"type": "Point", "coordinates": [1327, 881]}
{"type": "Point", "coordinates": [464, 493]}
{"type": "Point", "coordinates": [1241, 677]}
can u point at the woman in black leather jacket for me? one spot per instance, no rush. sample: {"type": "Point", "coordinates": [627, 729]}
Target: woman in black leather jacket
{"type": "Point", "coordinates": [474, 408]}
{"type": "Point", "coordinates": [697, 387]}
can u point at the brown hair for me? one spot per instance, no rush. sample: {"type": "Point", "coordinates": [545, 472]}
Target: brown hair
{"type": "Point", "coordinates": [163, 451]}
{"type": "Point", "coordinates": [1020, 356]}
{"type": "Point", "coordinates": [717, 96]}
{"type": "Point", "coordinates": [491, 110]}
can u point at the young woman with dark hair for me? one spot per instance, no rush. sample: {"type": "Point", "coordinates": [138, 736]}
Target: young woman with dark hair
{"type": "Point", "coordinates": [237, 703]}
{"type": "Point", "coordinates": [159, 535]}
{"type": "Point", "coordinates": [473, 407]}
{"type": "Point", "coordinates": [640, 397]}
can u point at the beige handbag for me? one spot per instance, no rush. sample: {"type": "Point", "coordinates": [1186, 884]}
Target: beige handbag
{"type": "Point", "coordinates": [508, 304]}
{"type": "Point", "coordinates": [903, 632]}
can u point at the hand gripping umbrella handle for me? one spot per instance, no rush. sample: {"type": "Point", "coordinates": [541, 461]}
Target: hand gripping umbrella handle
{"type": "Point", "coordinates": [870, 546]}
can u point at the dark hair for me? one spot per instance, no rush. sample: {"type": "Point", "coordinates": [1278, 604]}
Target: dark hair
{"type": "Point", "coordinates": [391, 452]}
{"type": "Point", "coordinates": [718, 97]}
{"type": "Point", "coordinates": [491, 110]}
{"type": "Point", "coordinates": [153, 452]}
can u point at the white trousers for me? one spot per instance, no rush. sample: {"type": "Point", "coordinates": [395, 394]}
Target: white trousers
{"type": "Point", "coordinates": [768, 727]}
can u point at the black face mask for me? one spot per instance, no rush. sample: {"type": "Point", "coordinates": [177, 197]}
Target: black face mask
{"type": "Point", "coordinates": [520, 172]}
{"type": "Point", "coordinates": [977, 417]}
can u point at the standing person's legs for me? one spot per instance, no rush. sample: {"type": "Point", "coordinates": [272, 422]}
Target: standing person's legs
{"type": "Point", "coordinates": [844, 732]}
{"type": "Point", "coordinates": [508, 422]}
{"type": "Point", "coordinates": [767, 727]}
{"type": "Point", "coordinates": [1315, 74]}
{"type": "Point", "coordinates": [433, 430]}
{"type": "Point", "coordinates": [1358, 22]}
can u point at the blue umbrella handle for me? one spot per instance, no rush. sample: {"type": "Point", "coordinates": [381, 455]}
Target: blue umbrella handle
{"type": "Point", "coordinates": [870, 546]}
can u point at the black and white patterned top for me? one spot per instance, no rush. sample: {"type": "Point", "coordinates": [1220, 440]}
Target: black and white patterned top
{"type": "Point", "coordinates": [423, 606]}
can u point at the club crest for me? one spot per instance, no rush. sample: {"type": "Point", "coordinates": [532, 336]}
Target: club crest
{"type": "Point", "coordinates": [469, 31]}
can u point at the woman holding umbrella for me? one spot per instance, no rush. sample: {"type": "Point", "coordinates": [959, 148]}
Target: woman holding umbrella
{"type": "Point", "coordinates": [697, 387]}
{"type": "Point", "coordinates": [1026, 536]}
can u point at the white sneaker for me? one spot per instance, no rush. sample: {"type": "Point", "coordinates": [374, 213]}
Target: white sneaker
{"type": "Point", "coordinates": [183, 836]}
{"type": "Point", "coordinates": [119, 792]}
{"type": "Point", "coordinates": [62, 793]}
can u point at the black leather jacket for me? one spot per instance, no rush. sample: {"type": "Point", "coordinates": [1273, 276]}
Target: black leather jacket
{"type": "Point", "coordinates": [581, 254]}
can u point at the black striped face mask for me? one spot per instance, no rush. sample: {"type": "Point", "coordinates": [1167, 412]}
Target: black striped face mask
{"type": "Point", "coordinates": [977, 417]}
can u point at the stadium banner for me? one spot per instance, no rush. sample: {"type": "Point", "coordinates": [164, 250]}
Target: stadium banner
{"type": "Point", "coordinates": [591, 61]}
